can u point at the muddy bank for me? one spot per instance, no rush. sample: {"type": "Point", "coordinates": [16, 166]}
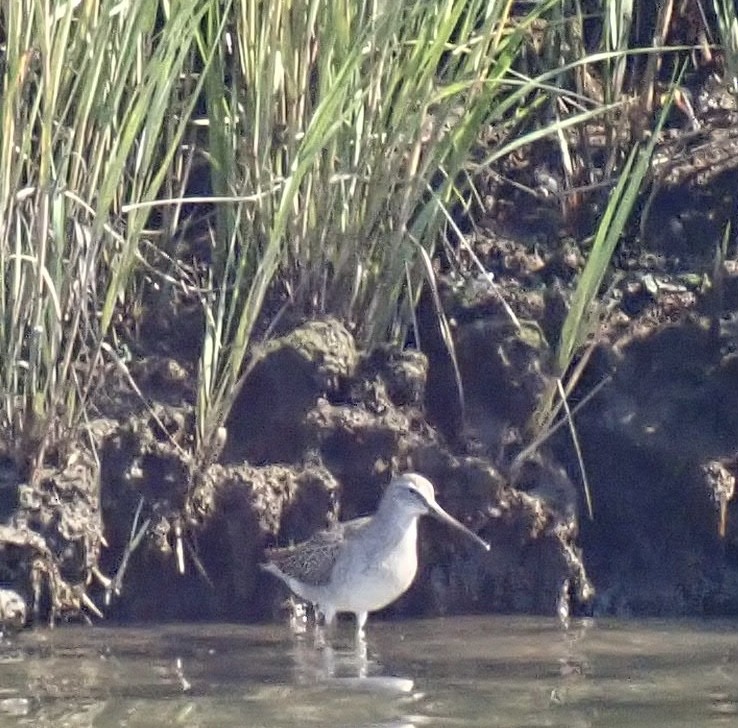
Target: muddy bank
{"type": "Point", "coordinates": [321, 425]}
{"type": "Point", "coordinates": [315, 435]}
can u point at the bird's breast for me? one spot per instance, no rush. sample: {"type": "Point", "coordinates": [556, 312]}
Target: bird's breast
{"type": "Point", "coordinates": [376, 570]}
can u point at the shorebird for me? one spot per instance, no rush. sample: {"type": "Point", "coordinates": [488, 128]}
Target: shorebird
{"type": "Point", "coordinates": [363, 565]}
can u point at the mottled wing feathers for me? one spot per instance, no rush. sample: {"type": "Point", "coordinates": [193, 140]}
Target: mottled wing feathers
{"type": "Point", "coordinates": [312, 561]}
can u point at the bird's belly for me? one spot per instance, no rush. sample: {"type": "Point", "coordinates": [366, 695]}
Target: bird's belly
{"type": "Point", "coordinates": [375, 585]}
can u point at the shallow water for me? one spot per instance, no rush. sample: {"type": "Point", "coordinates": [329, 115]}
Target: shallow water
{"type": "Point", "coordinates": [481, 671]}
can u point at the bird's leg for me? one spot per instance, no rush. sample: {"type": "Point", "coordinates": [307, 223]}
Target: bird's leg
{"type": "Point", "coordinates": [329, 616]}
{"type": "Point", "coordinates": [298, 616]}
{"type": "Point", "coordinates": [319, 636]}
{"type": "Point", "coordinates": [361, 618]}
{"type": "Point", "coordinates": [361, 656]}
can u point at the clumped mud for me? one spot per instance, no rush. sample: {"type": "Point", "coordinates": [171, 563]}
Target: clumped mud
{"type": "Point", "coordinates": [316, 433]}
{"type": "Point", "coordinates": [50, 541]}
{"type": "Point", "coordinates": [322, 426]}
{"type": "Point", "coordinates": [659, 439]}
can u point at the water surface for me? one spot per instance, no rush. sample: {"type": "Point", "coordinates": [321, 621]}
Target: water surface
{"type": "Point", "coordinates": [481, 671]}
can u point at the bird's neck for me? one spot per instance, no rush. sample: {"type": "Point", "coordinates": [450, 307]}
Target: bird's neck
{"type": "Point", "coordinates": [395, 525]}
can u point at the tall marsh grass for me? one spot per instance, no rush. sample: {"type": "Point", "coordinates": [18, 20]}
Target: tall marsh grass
{"type": "Point", "coordinates": [85, 103]}
{"type": "Point", "coordinates": [341, 129]}
{"type": "Point", "coordinates": [334, 136]}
